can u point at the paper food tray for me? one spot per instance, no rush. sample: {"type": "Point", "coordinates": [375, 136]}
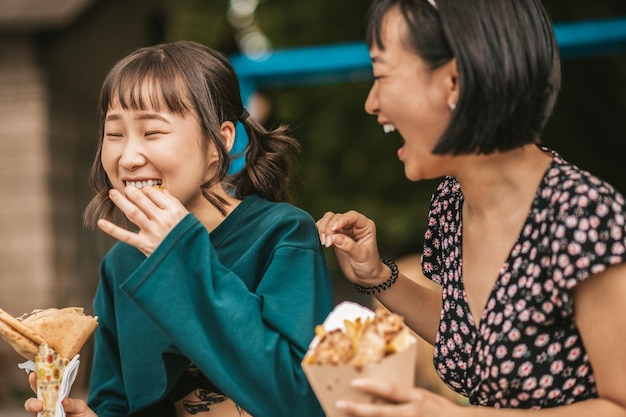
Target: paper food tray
{"type": "Point", "coordinates": [331, 383]}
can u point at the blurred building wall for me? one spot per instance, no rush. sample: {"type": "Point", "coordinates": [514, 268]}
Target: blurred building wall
{"type": "Point", "coordinates": [54, 55]}
{"type": "Point", "coordinates": [26, 240]}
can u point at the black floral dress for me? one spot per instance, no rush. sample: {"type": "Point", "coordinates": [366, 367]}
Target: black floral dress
{"type": "Point", "coordinates": [527, 351]}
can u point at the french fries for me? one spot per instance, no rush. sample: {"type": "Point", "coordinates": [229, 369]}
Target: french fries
{"type": "Point", "coordinates": [361, 342]}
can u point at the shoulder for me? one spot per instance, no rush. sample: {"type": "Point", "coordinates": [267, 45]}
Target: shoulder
{"type": "Point", "coordinates": [576, 192]}
{"type": "Point", "coordinates": [274, 213]}
{"type": "Point", "coordinates": [586, 222]}
{"type": "Point", "coordinates": [448, 187]}
{"type": "Point", "coordinates": [274, 223]}
{"type": "Point", "coordinates": [446, 197]}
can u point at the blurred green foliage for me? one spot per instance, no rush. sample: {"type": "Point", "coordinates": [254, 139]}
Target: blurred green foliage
{"type": "Point", "coordinates": [349, 163]}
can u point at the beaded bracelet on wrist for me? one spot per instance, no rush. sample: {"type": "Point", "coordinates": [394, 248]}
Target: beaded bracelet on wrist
{"type": "Point", "coordinates": [381, 287]}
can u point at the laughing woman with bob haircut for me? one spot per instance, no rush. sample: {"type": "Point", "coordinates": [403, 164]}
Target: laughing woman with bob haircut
{"type": "Point", "coordinates": [527, 249]}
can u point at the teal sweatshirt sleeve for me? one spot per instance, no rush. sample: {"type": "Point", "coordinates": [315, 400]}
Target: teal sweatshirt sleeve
{"type": "Point", "coordinates": [108, 393]}
{"type": "Point", "coordinates": [108, 388]}
{"type": "Point", "coordinates": [247, 325]}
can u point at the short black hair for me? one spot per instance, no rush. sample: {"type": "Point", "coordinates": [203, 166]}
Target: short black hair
{"type": "Point", "coordinates": [508, 63]}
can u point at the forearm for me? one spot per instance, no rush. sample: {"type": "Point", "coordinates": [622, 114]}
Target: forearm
{"type": "Point", "coordinates": [420, 306]}
{"type": "Point", "coordinates": [107, 395]}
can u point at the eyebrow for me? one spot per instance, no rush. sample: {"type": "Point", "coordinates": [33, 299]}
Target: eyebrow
{"type": "Point", "coordinates": [139, 116]}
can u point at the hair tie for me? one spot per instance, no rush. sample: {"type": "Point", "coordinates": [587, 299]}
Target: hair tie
{"type": "Point", "coordinates": [387, 284]}
{"type": "Point", "coordinates": [244, 116]}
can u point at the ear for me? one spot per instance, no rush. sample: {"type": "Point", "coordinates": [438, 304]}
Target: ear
{"type": "Point", "coordinates": [227, 133]}
{"type": "Point", "coordinates": [451, 73]}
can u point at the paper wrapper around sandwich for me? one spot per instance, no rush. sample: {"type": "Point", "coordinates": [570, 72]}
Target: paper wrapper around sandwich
{"type": "Point", "coordinates": [55, 377]}
{"type": "Point", "coordinates": [331, 382]}
{"type": "Point", "coordinates": [51, 340]}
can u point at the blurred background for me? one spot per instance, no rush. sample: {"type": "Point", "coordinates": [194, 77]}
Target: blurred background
{"type": "Point", "coordinates": [54, 55]}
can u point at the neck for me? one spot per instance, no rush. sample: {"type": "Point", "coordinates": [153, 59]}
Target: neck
{"type": "Point", "coordinates": [502, 181]}
{"type": "Point", "coordinates": [209, 215]}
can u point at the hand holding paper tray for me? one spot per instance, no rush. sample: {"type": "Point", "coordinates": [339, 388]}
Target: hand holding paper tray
{"type": "Point", "coordinates": [355, 342]}
{"type": "Point", "coordinates": [48, 338]}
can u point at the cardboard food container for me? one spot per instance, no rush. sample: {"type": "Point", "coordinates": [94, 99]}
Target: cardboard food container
{"type": "Point", "coordinates": [331, 383]}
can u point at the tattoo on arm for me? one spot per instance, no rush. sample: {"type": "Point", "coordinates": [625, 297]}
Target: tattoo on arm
{"type": "Point", "coordinates": [206, 399]}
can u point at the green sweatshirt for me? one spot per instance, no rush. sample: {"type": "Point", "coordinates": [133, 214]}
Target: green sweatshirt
{"type": "Point", "coordinates": [241, 303]}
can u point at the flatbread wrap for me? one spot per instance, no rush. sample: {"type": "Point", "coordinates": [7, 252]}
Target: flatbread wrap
{"type": "Point", "coordinates": [65, 330]}
{"type": "Point", "coordinates": [51, 340]}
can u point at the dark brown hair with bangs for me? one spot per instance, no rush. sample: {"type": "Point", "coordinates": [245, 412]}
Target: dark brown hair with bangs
{"type": "Point", "coordinates": [189, 78]}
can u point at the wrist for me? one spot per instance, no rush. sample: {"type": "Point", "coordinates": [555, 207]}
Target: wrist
{"type": "Point", "coordinates": [384, 271]}
{"type": "Point", "coordinates": [389, 275]}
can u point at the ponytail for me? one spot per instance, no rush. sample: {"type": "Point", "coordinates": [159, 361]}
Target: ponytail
{"type": "Point", "coordinates": [270, 155]}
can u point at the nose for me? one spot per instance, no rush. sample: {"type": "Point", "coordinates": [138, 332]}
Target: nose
{"type": "Point", "coordinates": [132, 154]}
{"type": "Point", "coordinates": [371, 102]}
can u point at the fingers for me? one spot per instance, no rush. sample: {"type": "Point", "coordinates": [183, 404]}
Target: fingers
{"type": "Point", "coordinates": [135, 204]}
{"type": "Point", "coordinates": [350, 234]}
{"type": "Point", "coordinates": [354, 409]}
{"type": "Point", "coordinates": [152, 200]}
{"type": "Point", "coordinates": [333, 222]}
{"type": "Point", "coordinates": [390, 400]}
{"type": "Point", "coordinates": [170, 208]}
{"type": "Point", "coordinates": [77, 408]}
{"type": "Point", "coordinates": [384, 389]}
{"type": "Point", "coordinates": [117, 232]}
{"type": "Point", "coordinates": [154, 212]}
{"type": "Point", "coordinates": [32, 381]}
{"type": "Point", "coordinates": [146, 204]}
{"type": "Point", "coordinates": [73, 407]}
{"type": "Point", "coordinates": [129, 207]}
{"type": "Point", "coordinates": [33, 406]}
{"type": "Point", "coordinates": [324, 228]}
{"type": "Point", "coordinates": [351, 224]}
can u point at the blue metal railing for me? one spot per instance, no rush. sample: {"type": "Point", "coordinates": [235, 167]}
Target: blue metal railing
{"type": "Point", "coordinates": [343, 62]}
{"type": "Point", "coordinates": [351, 61]}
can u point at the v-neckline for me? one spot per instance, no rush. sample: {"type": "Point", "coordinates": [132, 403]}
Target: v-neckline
{"type": "Point", "coordinates": [506, 265]}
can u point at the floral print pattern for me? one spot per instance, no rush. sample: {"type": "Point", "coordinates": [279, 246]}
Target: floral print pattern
{"type": "Point", "coordinates": [527, 351]}
{"type": "Point", "coordinates": [50, 368]}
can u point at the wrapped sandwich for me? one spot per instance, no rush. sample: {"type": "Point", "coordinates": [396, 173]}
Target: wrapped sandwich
{"type": "Point", "coordinates": [355, 341]}
{"type": "Point", "coordinates": [51, 340]}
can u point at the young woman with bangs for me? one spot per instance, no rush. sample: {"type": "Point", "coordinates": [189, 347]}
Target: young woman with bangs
{"type": "Point", "coordinates": [208, 302]}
